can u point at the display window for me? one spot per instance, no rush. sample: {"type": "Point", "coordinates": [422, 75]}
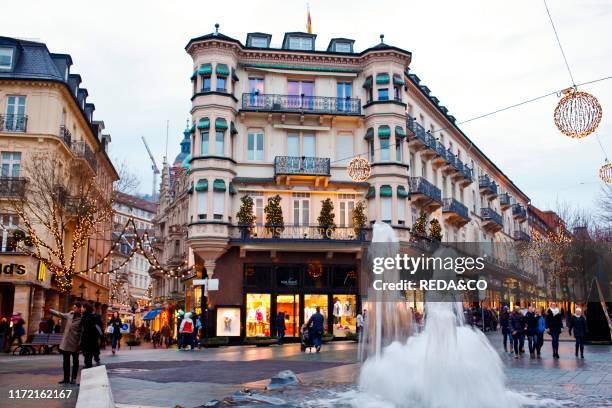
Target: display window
{"type": "Point", "coordinates": [344, 311]}
{"type": "Point", "coordinates": [258, 314]}
{"type": "Point", "coordinates": [310, 307]}
{"type": "Point", "coordinates": [289, 306]}
{"type": "Point", "coordinates": [228, 321]}
{"type": "Point", "coordinates": [344, 277]}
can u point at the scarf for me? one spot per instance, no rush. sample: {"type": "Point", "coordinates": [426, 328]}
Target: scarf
{"type": "Point", "coordinates": [555, 311]}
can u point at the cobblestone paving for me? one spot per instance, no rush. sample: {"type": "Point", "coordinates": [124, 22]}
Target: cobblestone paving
{"type": "Point", "coordinates": [190, 378]}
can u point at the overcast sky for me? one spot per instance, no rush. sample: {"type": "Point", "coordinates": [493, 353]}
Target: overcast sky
{"type": "Point", "coordinates": [475, 56]}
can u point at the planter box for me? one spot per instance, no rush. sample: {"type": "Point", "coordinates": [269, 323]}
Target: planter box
{"type": "Point", "coordinates": [261, 341]}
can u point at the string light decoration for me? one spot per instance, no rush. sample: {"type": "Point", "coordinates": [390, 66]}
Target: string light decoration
{"type": "Point", "coordinates": [577, 114]}
{"type": "Point", "coordinates": [605, 172]}
{"type": "Point", "coordinates": [359, 169]}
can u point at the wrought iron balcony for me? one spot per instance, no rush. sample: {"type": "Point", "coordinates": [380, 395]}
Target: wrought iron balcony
{"type": "Point", "coordinates": [13, 123]}
{"type": "Point", "coordinates": [83, 151]}
{"type": "Point", "coordinates": [66, 135]}
{"type": "Point", "coordinates": [505, 200]}
{"type": "Point", "coordinates": [487, 186]}
{"type": "Point", "coordinates": [12, 187]}
{"type": "Point", "coordinates": [305, 166]}
{"type": "Point", "coordinates": [419, 186]}
{"type": "Point", "coordinates": [299, 233]}
{"type": "Point", "coordinates": [468, 173]}
{"type": "Point", "coordinates": [519, 212]}
{"type": "Point", "coordinates": [491, 219]}
{"type": "Point", "coordinates": [522, 236]}
{"type": "Point", "coordinates": [456, 211]}
{"type": "Point", "coordinates": [301, 104]}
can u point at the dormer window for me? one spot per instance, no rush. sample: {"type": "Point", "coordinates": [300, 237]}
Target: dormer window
{"type": "Point", "coordinates": [343, 47]}
{"type": "Point", "coordinates": [259, 42]}
{"type": "Point", "coordinates": [301, 43]}
{"type": "Point", "coordinates": [6, 58]}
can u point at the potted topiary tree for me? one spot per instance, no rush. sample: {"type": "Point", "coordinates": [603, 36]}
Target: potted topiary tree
{"type": "Point", "coordinates": [419, 227]}
{"type": "Point", "coordinates": [326, 218]}
{"type": "Point", "coordinates": [435, 230]}
{"type": "Point", "coordinates": [275, 224]}
{"type": "Point", "coordinates": [245, 217]}
{"type": "Point", "coordinates": [359, 220]}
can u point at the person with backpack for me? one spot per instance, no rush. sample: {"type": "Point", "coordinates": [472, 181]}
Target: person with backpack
{"type": "Point", "coordinates": [540, 332]}
{"type": "Point", "coordinates": [186, 331]}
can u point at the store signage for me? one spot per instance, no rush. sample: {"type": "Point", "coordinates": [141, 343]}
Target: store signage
{"type": "Point", "coordinates": [289, 282]}
{"type": "Point", "coordinates": [10, 269]}
{"type": "Point", "coordinates": [42, 272]}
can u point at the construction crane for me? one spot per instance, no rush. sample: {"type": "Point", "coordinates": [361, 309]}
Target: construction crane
{"type": "Point", "coordinates": [154, 168]}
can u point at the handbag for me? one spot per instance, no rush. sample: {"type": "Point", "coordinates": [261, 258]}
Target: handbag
{"type": "Point", "coordinates": [109, 329]}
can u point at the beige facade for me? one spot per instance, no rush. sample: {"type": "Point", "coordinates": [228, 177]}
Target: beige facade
{"type": "Point", "coordinates": [46, 114]}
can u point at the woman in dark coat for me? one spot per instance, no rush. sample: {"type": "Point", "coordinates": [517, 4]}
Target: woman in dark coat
{"type": "Point", "coordinates": [115, 322]}
{"type": "Point", "coordinates": [554, 324]}
{"type": "Point", "coordinates": [517, 328]}
{"type": "Point", "coordinates": [90, 334]}
{"type": "Point", "coordinates": [578, 324]}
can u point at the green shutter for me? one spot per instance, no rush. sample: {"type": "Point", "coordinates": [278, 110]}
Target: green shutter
{"type": "Point", "coordinates": [369, 133]}
{"type": "Point", "coordinates": [233, 129]}
{"type": "Point", "coordinates": [204, 123]}
{"type": "Point", "coordinates": [384, 132]}
{"type": "Point", "coordinates": [400, 132]}
{"type": "Point", "coordinates": [220, 124]}
{"type": "Point", "coordinates": [202, 185]}
{"type": "Point", "coordinates": [219, 185]}
{"type": "Point", "coordinates": [398, 80]}
{"type": "Point", "coordinates": [368, 82]}
{"type": "Point", "coordinates": [205, 69]}
{"type": "Point", "coordinates": [194, 75]}
{"type": "Point", "coordinates": [382, 79]}
{"type": "Point", "coordinates": [386, 191]}
{"type": "Point", "coordinates": [232, 189]}
{"type": "Point", "coordinates": [401, 192]}
{"type": "Point", "coordinates": [192, 130]}
{"type": "Point", "coordinates": [222, 70]}
{"type": "Point", "coordinates": [371, 192]}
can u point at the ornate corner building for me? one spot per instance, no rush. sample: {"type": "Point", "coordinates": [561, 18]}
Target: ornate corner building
{"type": "Point", "coordinates": [286, 121]}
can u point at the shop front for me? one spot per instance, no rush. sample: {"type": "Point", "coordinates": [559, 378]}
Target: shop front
{"type": "Point", "coordinates": [292, 292]}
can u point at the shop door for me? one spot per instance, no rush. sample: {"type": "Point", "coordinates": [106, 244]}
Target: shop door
{"type": "Point", "coordinates": [289, 306]}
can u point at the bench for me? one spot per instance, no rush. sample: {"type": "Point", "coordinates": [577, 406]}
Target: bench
{"type": "Point", "coordinates": [39, 343]}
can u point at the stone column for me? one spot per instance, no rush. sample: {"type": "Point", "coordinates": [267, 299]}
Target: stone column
{"type": "Point", "coordinates": [36, 310]}
{"type": "Point", "coordinates": [210, 264]}
{"type": "Point", "coordinates": [21, 303]}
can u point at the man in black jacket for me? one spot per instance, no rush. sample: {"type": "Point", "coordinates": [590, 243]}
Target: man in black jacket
{"type": "Point", "coordinates": [554, 324]}
{"type": "Point", "coordinates": [531, 322]}
{"type": "Point", "coordinates": [517, 328]}
{"type": "Point", "coordinates": [578, 324]}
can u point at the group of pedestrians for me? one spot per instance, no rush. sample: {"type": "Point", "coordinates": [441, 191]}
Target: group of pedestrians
{"type": "Point", "coordinates": [532, 324]}
{"type": "Point", "coordinates": [190, 331]}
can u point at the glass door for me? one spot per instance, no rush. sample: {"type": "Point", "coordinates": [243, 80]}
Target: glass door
{"type": "Point", "coordinates": [258, 314]}
{"type": "Point", "coordinates": [15, 113]}
{"type": "Point", "coordinates": [287, 308]}
{"type": "Point", "coordinates": [256, 91]}
{"type": "Point", "coordinates": [300, 94]}
{"type": "Point", "coordinates": [301, 211]}
{"type": "Point", "coordinates": [346, 212]}
{"type": "Point", "coordinates": [344, 94]}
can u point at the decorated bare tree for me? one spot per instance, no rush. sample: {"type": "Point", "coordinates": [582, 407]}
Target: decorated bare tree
{"type": "Point", "coordinates": [61, 208]}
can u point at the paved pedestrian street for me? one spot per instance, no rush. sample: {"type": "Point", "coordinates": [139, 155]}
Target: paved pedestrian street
{"type": "Point", "coordinates": [165, 378]}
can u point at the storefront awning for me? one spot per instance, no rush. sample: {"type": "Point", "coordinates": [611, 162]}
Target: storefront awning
{"type": "Point", "coordinates": [222, 70]}
{"type": "Point", "coordinates": [384, 132]}
{"type": "Point", "coordinates": [382, 79]}
{"type": "Point", "coordinates": [386, 191]}
{"type": "Point", "coordinates": [204, 123]}
{"type": "Point", "coordinates": [205, 69]}
{"type": "Point", "coordinates": [220, 124]}
{"type": "Point", "coordinates": [151, 314]}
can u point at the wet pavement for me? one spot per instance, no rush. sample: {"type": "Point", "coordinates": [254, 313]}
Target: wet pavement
{"type": "Point", "coordinates": [165, 378]}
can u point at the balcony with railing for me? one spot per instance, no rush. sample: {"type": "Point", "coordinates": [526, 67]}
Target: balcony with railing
{"type": "Point", "coordinates": [522, 236]}
{"type": "Point", "coordinates": [13, 123]}
{"type": "Point", "coordinates": [12, 187]}
{"type": "Point", "coordinates": [418, 138]}
{"type": "Point", "coordinates": [440, 159]}
{"type": "Point", "coordinates": [82, 151]}
{"type": "Point", "coordinates": [287, 168]}
{"type": "Point", "coordinates": [454, 212]}
{"type": "Point", "coordinates": [298, 233]}
{"type": "Point", "coordinates": [505, 201]}
{"type": "Point", "coordinates": [519, 212]}
{"type": "Point", "coordinates": [422, 192]}
{"type": "Point", "coordinates": [487, 186]}
{"type": "Point", "coordinates": [301, 104]}
{"type": "Point", "coordinates": [491, 220]}
{"type": "Point", "coordinates": [66, 135]}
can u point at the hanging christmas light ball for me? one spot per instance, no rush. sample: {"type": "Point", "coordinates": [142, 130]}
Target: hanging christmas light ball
{"type": "Point", "coordinates": [359, 169]}
{"type": "Point", "coordinates": [605, 173]}
{"type": "Point", "coordinates": [578, 114]}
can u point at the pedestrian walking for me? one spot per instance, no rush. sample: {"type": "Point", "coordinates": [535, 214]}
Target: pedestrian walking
{"type": "Point", "coordinates": [179, 321]}
{"type": "Point", "coordinates": [18, 331]}
{"type": "Point", "coordinates": [554, 324]}
{"type": "Point", "coordinates": [186, 331]}
{"type": "Point", "coordinates": [166, 334]}
{"type": "Point", "coordinates": [90, 335]}
{"type": "Point", "coordinates": [578, 325]}
{"type": "Point", "coordinates": [4, 331]}
{"type": "Point", "coordinates": [69, 346]}
{"type": "Point", "coordinates": [315, 328]}
{"type": "Point", "coordinates": [531, 323]}
{"type": "Point", "coordinates": [197, 331]}
{"type": "Point", "coordinates": [504, 323]}
{"type": "Point", "coordinates": [280, 327]}
{"type": "Point", "coordinates": [540, 334]}
{"type": "Point", "coordinates": [115, 324]}
{"type": "Point", "coordinates": [517, 327]}
{"type": "Point", "coordinates": [359, 322]}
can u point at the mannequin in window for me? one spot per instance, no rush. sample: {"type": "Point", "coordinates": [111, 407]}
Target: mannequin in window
{"type": "Point", "coordinates": [337, 312]}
